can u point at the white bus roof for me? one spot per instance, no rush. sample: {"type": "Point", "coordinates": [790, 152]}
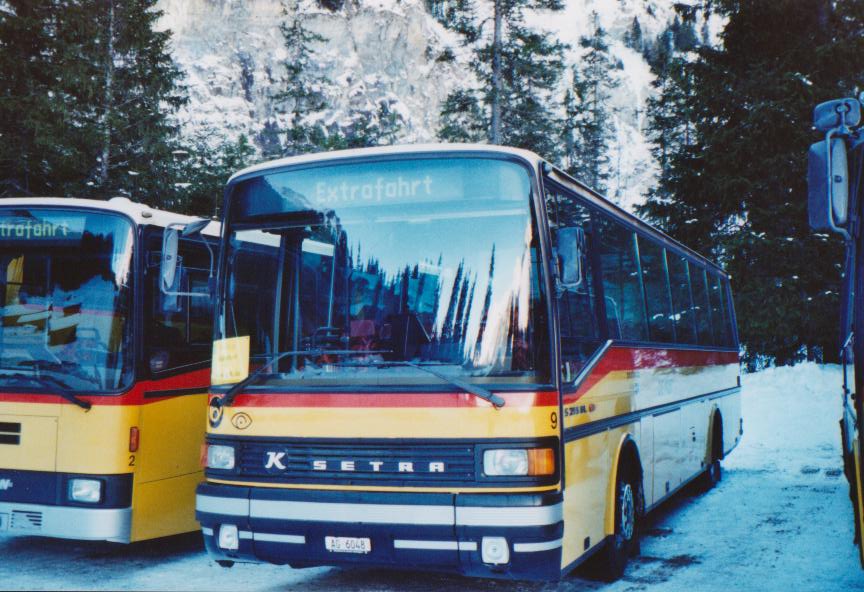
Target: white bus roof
{"type": "Point", "coordinates": [140, 214]}
{"type": "Point", "coordinates": [337, 155]}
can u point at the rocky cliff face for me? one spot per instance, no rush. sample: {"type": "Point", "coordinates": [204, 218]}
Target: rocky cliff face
{"type": "Point", "coordinates": [232, 51]}
{"type": "Point", "coordinates": [384, 51]}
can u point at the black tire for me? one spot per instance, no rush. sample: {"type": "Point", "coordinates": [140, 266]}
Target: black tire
{"type": "Point", "coordinates": [613, 558]}
{"type": "Point", "coordinates": [714, 471]}
{"type": "Point", "coordinates": [226, 563]}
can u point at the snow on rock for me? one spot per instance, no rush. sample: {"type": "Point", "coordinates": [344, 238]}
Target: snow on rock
{"type": "Point", "coordinates": [377, 50]}
{"type": "Point", "coordinates": [387, 51]}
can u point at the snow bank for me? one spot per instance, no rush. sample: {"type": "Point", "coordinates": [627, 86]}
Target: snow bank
{"type": "Point", "coordinates": [790, 418]}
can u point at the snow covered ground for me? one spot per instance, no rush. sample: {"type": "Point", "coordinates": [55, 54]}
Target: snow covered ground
{"type": "Point", "coordinates": [780, 521]}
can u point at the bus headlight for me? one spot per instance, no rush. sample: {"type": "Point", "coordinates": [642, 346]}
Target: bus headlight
{"type": "Point", "coordinates": [220, 457]}
{"type": "Point", "coordinates": [512, 462]}
{"type": "Point", "coordinates": [88, 491]}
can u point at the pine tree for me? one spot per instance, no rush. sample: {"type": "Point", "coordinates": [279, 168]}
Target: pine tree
{"type": "Point", "coordinates": [588, 130]}
{"type": "Point", "coordinates": [518, 69]}
{"type": "Point", "coordinates": [203, 170]}
{"type": "Point", "coordinates": [138, 86]}
{"type": "Point", "coordinates": [633, 36]}
{"type": "Point", "coordinates": [304, 89]}
{"type": "Point", "coordinates": [737, 188]}
{"type": "Point", "coordinates": [307, 94]}
{"type": "Point", "coordinates": [88, 91]}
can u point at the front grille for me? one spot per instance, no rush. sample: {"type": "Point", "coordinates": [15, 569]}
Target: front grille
{"type": "Point", "coordinates": [22, 520]}
{"type": "Point", "coordinates": [10, 433]}
{"type": "Point", "coordinates": [358, 463]}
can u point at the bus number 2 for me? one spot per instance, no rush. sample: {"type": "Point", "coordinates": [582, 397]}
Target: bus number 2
{"type": "Point", "coordinates": [131, 460]}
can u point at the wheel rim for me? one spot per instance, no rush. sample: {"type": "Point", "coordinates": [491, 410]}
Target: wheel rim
{"type": "Point", "coordinates": [628, 512]}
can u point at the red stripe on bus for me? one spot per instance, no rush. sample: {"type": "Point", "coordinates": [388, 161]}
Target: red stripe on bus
{"type": "Point", "coordinates": [619, 359]}
{"type": "Point", "coordinates": [393, 400]}
{"type": "Point", "coordinates": [134, 396]}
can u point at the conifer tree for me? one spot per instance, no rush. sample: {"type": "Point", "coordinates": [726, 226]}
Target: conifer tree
{"type": "Point", "coordinates": [737, 189]}
{"type": "Point", "coordinates": [304, 89]}
{"type": "Point", "coordinates": [307, 93]}
{"type": "Point", "coordinates": [88, 87]}
{"type": "Point", "coordinates": [31, 105]}
{"type": "Point", "coordinates": [588, 129]}
{"type": "Point", "coordinates": [137, 86]}
{"type": "Point", "coordinates": [633, 36]}
{"type": "Point", "coordinates": [518, 69]}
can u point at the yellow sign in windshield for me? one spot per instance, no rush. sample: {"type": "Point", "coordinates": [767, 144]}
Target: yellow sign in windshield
{"type": "Point", "coordinates": [230, 360]}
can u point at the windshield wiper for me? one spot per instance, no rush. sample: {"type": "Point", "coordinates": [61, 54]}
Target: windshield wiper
{"type": "Point", "coordinates": [232, 392]}
{"type": "Point", "coordinates": [474, 389]}
{"type": "Point", "coordinates": [60, 387]}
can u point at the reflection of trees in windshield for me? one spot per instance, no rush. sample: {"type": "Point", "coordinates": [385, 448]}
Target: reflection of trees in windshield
{"type": "Point", "coordinates": [464, 293]}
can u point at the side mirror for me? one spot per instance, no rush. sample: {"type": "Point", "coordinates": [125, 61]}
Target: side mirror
{"type": "Point", "coordinates": [571, 255]}
{"type": "Point", "coordinates": [170, 258]}
{"type": "Point", "coordinates": [828, 186]}
{"type": "Point", "coordinates": [839, 113]}
{"type": "Point", "coordinates": [168, 265]}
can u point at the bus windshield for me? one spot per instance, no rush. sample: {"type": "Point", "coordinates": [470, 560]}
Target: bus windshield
{"type": "Point", "coordinates": [65, 299]}
{"type": "Point", "coordinates": [394, 264]}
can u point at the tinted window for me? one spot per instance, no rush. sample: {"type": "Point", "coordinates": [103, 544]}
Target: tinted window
{"type": "Point", "coordinates": [701, 306]}
{"type": "Point", "coordinates": [657, 298]}
{"type": "Point", "coordinates": [392, 266]}
{"type": "Point", "coordinates": [682, 306]}
{"type": "Point", "coordinates": [65, 299]}
{"type": "Point", "coordinates": [180, 328]}
{"type": "Point", "coordinates": [622, 289]}
{"type": "Point", "coordinates": [579, 324]}
{"type": "Point", "coordinates": [719, 311]}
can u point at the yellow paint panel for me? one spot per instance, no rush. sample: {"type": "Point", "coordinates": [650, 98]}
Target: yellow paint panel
{"type": "Point", "coordinates": [171, 432]}
{"type": "Point", "coordinates": [470, 422]}
{"type": "Point", "coordinates": [163, 508]}
{"type": "Point", "coordinates": [95, 441]}
{"type": "Point", "coordinates": [230, 360]}
{"type": "Point", "coordinates": [587, 472]}
{"type": "Point", "coordinates": [857, 452]}
{"type": "Point", "coordinates": [37, 450]}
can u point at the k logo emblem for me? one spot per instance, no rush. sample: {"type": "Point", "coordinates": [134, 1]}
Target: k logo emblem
{"type": "Point", "coordinates": [215, 412]}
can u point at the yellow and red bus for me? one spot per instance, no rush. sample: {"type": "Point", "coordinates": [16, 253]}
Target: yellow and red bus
{"type": "Point", "coordinates": [834, 204]}
{"type": "Point", "coordinates": [458, 358]}
{"type": "Point", "coordinates": [103, 375]}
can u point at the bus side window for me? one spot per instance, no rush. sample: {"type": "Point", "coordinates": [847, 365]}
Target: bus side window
{"type": "Point", "coordinates": [179, 328]}
{"type": "Point", "coordinates": [657, 295]}
{"type": "Point", "coordinates": [622, 285]}
{"type": "Point", "coordinates": [701, 306]}
{"type": "Point", "coordinates": [682, 300]}
{"type": "Point", "coordinates": [579, 322]}
{"type": "Point", "coordinates": [719, 312]}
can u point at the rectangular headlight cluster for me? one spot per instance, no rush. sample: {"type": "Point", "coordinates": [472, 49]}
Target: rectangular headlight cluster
{"type": "Point", "coordinates": [514, 462]}
{"type": "Point", "coordinates": [220, 456]}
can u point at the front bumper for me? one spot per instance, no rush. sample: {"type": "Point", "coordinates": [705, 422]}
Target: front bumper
{"type": "Point", "coordinates": [87, 524]}
{"type": "Point", "coordinates": [407, 530]}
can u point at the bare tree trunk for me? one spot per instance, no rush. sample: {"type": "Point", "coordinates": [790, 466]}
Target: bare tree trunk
{"type": "Point", "coordinates": [105, 117]}
{"type": "Point", "coordinates": [495, 134]}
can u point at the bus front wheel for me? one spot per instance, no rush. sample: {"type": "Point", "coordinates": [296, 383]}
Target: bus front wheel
{"type": "Point", "coordinates": [624, 542]}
